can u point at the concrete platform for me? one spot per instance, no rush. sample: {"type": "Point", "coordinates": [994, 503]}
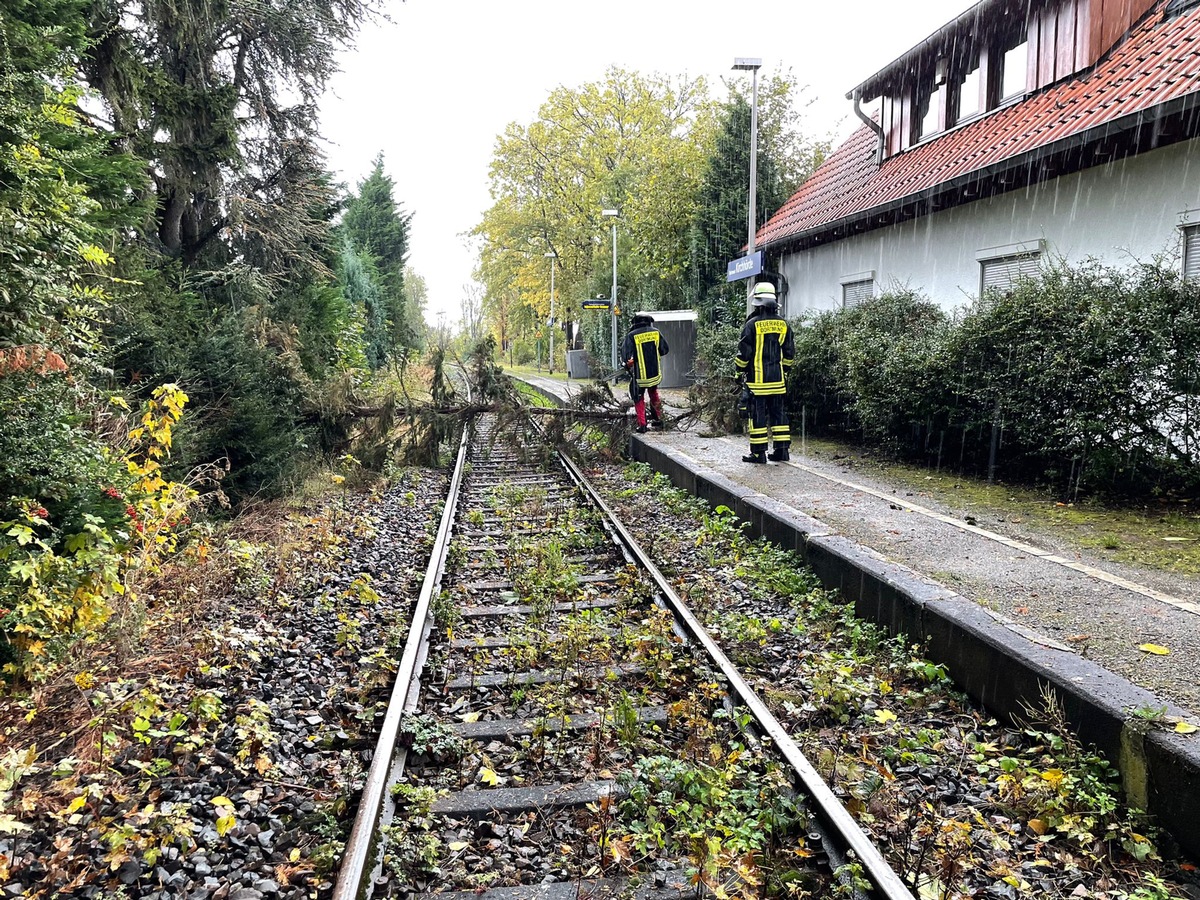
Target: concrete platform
{"type": "Point", "coordinates": [1009, 625]}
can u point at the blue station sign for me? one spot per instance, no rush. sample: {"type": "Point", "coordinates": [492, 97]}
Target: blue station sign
{"type": "Point", "coordinates": [596, 304]}
{"type": "Point", "coordinates": [745, 267]}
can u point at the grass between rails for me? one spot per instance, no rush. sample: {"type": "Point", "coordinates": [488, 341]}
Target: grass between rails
{"type": "Point", "coordinates": [700, 807]}
{"type": "Point", "coordinates": [1159, 534]}
{"type": "Point", "coordinates": [962, 804]}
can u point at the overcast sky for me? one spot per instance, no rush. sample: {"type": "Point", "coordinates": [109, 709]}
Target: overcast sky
{"type": "Point", "coordinates": [434, 87]}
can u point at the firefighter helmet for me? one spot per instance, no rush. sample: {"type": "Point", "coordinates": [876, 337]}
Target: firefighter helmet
{"type": "Point", "coordinates": [763, 295]}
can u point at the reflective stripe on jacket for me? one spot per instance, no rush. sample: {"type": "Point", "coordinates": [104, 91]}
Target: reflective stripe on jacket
{"type": "Point", "coordinates": [644, 345]}
{"type": "Point", "coordinates": [765, 353]}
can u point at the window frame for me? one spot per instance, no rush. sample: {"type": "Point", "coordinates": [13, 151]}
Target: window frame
{"type": "Point", "coordinates": [856, 280]}
{"type": "Point", "coordinates": [957, 75]}
{"type": "Point", "coordinates": [1189, 236]}
{"type": "Point", "coordinates": [1005, 41]}
{"type": "Point", "coordinates": [1007, 253]}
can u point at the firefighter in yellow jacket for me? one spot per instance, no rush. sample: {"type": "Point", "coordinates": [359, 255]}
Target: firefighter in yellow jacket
{"type": "Point", "coordinates": [765, 355]}
{"type": "Point", "coordinates": [642, 352]}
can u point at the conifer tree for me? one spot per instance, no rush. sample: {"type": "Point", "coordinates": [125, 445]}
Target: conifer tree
{"type": "Point", "coordinates": [360, 284]}
{"type": "Point", "coordinates": [377, 228]}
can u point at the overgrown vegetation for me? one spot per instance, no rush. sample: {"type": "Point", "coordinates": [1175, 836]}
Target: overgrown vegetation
{"type": "Point", "coordinates": [963, 803]}
{"type": "Point", "coordinates": [1086, 378]}
{"type": "Point", "coordinates": [169, 232]}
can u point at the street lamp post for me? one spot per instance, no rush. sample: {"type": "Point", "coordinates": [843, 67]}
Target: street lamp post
{"type": "Point", "coordinates": [614, 215]}
{"type": "Point", "coordinates": [751, 65]}
{"type": "Point", "coordinates": [553, 257]}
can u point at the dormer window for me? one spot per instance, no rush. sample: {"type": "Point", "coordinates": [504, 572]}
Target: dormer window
{"type": "Point", "coordinates": [994, 55]}
{"type": "Point", "coordinates": [967, 96]}
{"type": "Point", "coordinates": [927, 113]}
{"type": "Point", "coordinates": [1014, 75]}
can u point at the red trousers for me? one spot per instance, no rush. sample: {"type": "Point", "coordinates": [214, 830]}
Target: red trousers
{"type": "Point", "coordinates": [638, 395]}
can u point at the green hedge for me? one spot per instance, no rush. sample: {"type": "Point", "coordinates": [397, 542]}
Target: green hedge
{"type": "Point", "coordinates": [1085, 377]}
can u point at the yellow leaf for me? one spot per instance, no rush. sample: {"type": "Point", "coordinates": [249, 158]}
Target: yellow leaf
{"type": "Point", "coordinates": [489, 776]}
{"type": "Point", "coordinates": [76, 805]}
{"type": "Point", "coordinates": [456, 846]}
{"type": "Point", "coordinates": [221, 801]}
{"type": "Point", "coordinates": [10, 825]}
{"type": "Point", "coordinates": [1037, 826]}
{"type": "Point", "coordinates": [470, 717]}
{"type": "Point", "coordinates": [883, 716]}
{"type": "Point", "coordinates": [294, 855]}
{"type": "Point", "coordinates": [1156, 649]}
{"type": "Point", "coordinates": [1186, 728]}
{"type": "Point", "coordinates": [225, 825]}
{"type": "Point", "coordinates": [1053, 776]}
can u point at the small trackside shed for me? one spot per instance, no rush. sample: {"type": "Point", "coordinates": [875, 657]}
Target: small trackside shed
{"type": "Point", "coordinates": [678, 328]}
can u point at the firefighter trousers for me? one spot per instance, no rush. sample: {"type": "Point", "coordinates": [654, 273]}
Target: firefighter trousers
{"type": "Point", "coordinates": [638, 395]}
{"type": "Point", "coordinates": [769, 423]}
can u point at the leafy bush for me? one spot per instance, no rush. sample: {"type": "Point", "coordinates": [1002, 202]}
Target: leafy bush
{"type": "Point", "coordinates": [1090, 370]}
{"type": "Point", "coordinates": [887, 362]}
{"type": "Point", "coordinates": [1086, 375]}
{"type": "Point", "coordinates": [77, 518]}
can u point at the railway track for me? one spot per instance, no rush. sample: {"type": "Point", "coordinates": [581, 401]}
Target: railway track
{"type": "Point", "coordinates": [561, 726]}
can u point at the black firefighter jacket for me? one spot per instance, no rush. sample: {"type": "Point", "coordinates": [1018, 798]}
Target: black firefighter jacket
{"type": "Point", "coordinates": [765, 353]}
{"type": "Point", "coordinates": [644, 345]}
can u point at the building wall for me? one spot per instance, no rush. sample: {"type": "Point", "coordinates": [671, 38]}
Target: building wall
{"type": "Point", "coordinates": [1121, 212]}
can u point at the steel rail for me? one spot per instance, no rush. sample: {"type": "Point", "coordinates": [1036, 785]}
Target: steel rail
{"type": "Point", "coordinates": [359, 856]}
{"type": "Point", "coordinates": [888, 884]}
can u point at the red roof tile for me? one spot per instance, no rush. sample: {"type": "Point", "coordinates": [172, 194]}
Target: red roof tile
{"type": "Point", "coordinates": [1159, 62]}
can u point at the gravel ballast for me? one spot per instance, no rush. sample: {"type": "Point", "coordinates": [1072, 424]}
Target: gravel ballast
{"type": "Point", "coordinates": [917, 763]}
{"type": "Point", "coordinates": [224, 762]}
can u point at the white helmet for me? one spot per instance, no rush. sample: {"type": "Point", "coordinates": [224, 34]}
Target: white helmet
{"type": "Point", "coordinates": [763, 295]}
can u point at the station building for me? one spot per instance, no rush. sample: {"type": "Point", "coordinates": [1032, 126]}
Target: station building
{"type": "Point", "coordinates": [1021, 130]}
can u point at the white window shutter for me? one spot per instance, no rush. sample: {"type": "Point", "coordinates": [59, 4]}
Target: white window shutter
{"type": "Point", "coordinates": [1191, 252]}
{"type": "Point", "coordinates": [1003, 272]}
{"type": "Point", "coordinates": [857, 292]}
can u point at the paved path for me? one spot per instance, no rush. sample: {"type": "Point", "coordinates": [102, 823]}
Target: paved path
{"type": "Point", "coordinates": [1095, 607]}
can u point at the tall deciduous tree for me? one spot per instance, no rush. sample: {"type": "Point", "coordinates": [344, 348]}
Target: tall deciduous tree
{"type": "Point", "coordinates": [630, 142]}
